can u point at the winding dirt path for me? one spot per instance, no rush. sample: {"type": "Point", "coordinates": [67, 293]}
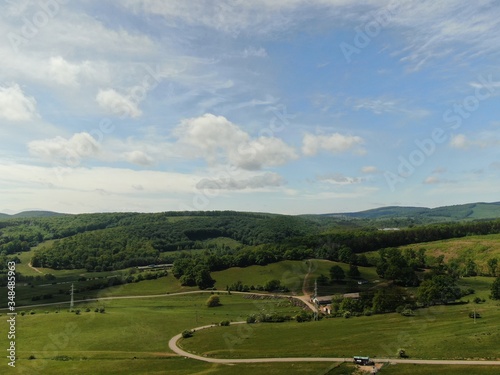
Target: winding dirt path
{"type": "Point", "coordinates": [172, 344]}
{"type": "Point", "coordinates": [33, 268]}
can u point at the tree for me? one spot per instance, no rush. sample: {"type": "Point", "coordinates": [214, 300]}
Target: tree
{"type": "Point", "coordinates": [213, 301]}
{"type": "Point", "coordinates": [495, 289]}
{"type": "Point", "coordinates": [337, 273]}
{"type": "Point", "coordinates": [492, 265]}
{"type": "Point", "coordinates": [353, 271]}
{"type": "Point", "coordinates": [272, 285]}
{"type": "Point", "coordinates": [439, 289]}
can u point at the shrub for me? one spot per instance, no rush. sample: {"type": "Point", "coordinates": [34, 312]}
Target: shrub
{"type": "Point", "coordinates": [187, 333]}
{"type": "Point", "coordinates": [477, 300]}
{"type": "Point", "coordinates": [251, 319]}
{"type": "Point", "coordinates": [224, 323]}
{"type": "Point", "coordinates": [347, 314]}
{"type": "Point", "coordinates": [213, 301]}
{"type": "Point", "coordinates": [407, 312]}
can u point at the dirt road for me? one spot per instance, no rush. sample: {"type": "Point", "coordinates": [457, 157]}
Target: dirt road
{"type": "Point", "coordinates": [172, 344]}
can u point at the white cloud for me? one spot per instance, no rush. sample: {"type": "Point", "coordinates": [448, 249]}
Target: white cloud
{"type": "Point", "coordinates": [139, 158]}
{"type": "Point", "coordinates": [253, 182]}
{"type": "Point", "coordinates": [15, 105]}
{"type": "Point", "coordinates": [385, 105]}
{"type": "Point", "coordinates": [369, 169]}
{"type": "Point", "coordinates": [218, 140]}
{"type": "Point", "coordinates": [117, 104]}
{"type": "Point", "coordinates": [264, 151]}
{"type": "Point", "coordinates": [340, 179]}
{"type": "Point", "coordinates": [482, 140]}
{"type": "Point", "coordinates": [81, 189]}
{"type": "Point", "coordinates": [254, 52]}
{"type": "Point", "coordinates": [63, 72]}
{"type": "Point", "coordinates": [335, 143]}
{"type": "Point", "coordinates": [68, 151]}
{"type": "Point", "coordinates": [459, 141]}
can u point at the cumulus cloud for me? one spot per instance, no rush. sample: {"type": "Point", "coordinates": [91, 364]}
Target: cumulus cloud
{"type": "Point", "coordinates": [218, 140]}
{"type": "Point", "coordinates": [15, 105]}
{"type": "Point", "coordinates": [70, 151]}
{"type": "Point", "coordinates": [117, 104]}
{"type": "Point", "coordinates": [334, 143]}
{"type": "Point", "coordinates": [63, 72]}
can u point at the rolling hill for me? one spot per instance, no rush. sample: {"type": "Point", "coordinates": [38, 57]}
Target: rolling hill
{"type": "Point", "coordinates": [469, 211]}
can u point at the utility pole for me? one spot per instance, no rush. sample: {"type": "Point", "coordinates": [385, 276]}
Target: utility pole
{"type": "Point", "coordinates": [71, 304]}
{"type": "Point", "coordinates": [315, 296]}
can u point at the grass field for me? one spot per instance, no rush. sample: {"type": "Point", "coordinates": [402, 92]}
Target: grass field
{"type": "Point", "coordinates": [97, 343]}
{"type": "Point", "coordinates": [440, 332]}
{"type": "Point", "coordinates": [63, 342]}
{"type": "Point", "coordinates": [292, 274]}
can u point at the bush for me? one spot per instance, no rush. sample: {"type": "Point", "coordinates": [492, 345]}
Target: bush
{"type": "Point", "coordinates": [213, 301]}
{"type": "Point", "coordinates": [77, 311]}
{"type": "Point", "coordinates": [407, 312]}
{"type": "Point", "coordinates": [187, 333]}
{"type": "Point", "coordinates": [251, 319]}
{"type": "Point", "coordinates": [102, 310]}
{"type": "Point", "coordinates": [347, 314]}
{"type": "Point", "coordinates": [477, 300]}
{"type": "Point", "coordinates": [224, 323]}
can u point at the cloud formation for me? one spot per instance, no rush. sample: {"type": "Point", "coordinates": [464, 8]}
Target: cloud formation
{"type": "Point", "coordinates": [15, 105]}
{"type": "Point", "coordinates": [217, 140]}
{"type": "Point", "coordinates": [335, 143]}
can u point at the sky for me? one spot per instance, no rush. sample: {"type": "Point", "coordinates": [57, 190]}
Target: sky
{"type": "Point", "coordinates": [284, 106]}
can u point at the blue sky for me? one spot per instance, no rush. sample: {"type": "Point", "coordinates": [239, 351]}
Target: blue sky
{"type": "Point", "coordinates": [289, 106]}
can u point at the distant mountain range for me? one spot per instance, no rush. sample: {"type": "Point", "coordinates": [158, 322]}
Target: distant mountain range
{"type": "Point", "coordinates": [24, 214]}
{"type": "Point", "coordinates": [472, 211]}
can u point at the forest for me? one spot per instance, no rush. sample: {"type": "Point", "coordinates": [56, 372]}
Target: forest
{"type": "Point", "coordinates": [113, 241]}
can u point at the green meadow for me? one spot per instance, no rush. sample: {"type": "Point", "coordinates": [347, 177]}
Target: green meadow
{"type": "Point", "coordinates": [439, 332]}
{"type": "Point", "coordinates": [62, 342]}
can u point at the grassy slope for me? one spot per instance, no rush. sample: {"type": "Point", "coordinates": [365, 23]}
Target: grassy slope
{"type": "Point", "coordinates": [290, 272]}
{"type": "Point", "coordinates": [479, 248]}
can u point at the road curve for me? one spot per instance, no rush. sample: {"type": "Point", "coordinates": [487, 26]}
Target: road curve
{"type": "Point", "coordinates": [172, 344]}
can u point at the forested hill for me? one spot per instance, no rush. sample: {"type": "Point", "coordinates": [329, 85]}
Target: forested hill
{"type": "Point", "coordinates": [110, 241]}
{"type": "Point", "coordinates": [116, 240]}
{"type": "Point", "coordinates": [470, 211]}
